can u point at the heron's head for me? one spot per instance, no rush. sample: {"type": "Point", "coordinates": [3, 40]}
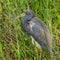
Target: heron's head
{"type": "Point", "coordinates": [26, 18]}
{"type": "Point", "coordinates": [28, 13]}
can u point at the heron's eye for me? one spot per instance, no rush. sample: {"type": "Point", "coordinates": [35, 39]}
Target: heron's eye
{"type": "Point", "coordinates": [23, 14]}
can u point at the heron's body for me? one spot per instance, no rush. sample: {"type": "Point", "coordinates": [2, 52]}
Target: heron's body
{"type": "Point", "coordinates": [39, 31]}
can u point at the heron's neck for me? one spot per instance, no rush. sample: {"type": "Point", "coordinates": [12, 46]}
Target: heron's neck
{"type": "Point", "coordinates": [24, 22]}
{"type": "Point", "coordinates": [26, 18]}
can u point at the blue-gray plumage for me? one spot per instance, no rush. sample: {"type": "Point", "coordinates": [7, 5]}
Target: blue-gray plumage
{"type": "Point", "coordinates": [37, 29]}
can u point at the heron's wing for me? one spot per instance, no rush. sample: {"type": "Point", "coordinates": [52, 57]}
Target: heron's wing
{"type": "Point", "coordinates": [40, 32]}
{"type": "Point", "coordinates": [47, 32]}
{"type": "Point", "coordinates": [39, 35]}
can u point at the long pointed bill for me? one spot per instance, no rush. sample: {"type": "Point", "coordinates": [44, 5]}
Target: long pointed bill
{"type": "Point", "coordinates": [17, 17]}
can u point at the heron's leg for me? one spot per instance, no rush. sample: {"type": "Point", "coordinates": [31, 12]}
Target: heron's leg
{"type": "Point", "coordinates": [32, 39]}
{"type": "Point", "coordinates": [37, 44]}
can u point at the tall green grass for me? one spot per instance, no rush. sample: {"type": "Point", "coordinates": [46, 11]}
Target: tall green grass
{"type": "Point", "coordinates": [15, 44]}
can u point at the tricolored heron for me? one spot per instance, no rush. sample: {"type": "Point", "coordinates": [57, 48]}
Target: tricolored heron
{"type": "Point", "coordinates": [37, 29]}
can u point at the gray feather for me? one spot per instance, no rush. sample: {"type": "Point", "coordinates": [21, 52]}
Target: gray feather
{"type": "Point", "coordinates": [41, 33]}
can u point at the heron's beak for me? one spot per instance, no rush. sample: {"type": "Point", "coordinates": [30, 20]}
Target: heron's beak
{"type": "Point", "coordinates": [23, 14]}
